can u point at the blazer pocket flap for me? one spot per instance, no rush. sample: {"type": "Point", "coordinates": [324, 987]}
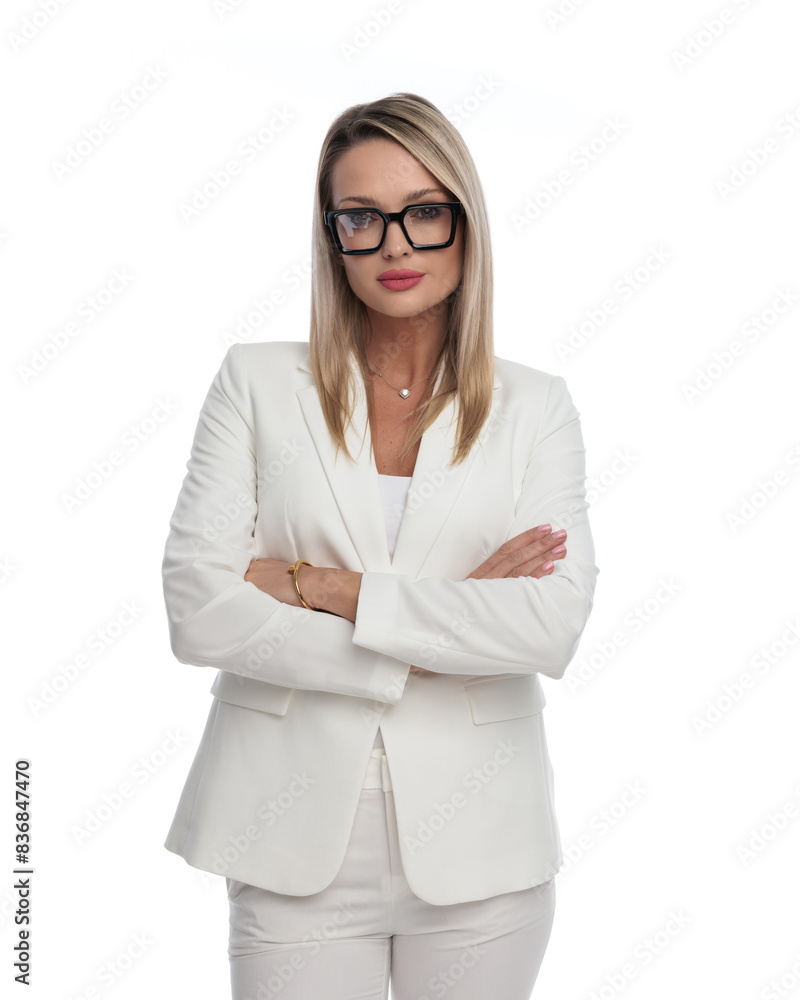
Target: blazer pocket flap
{"type": "Point", "coordinates": [249, 693]}
{"type": "Point", "coordinates": [492, 699]}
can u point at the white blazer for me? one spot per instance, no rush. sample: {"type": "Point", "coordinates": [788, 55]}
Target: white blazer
{"type": "Point", "coordinates": [298, 696]}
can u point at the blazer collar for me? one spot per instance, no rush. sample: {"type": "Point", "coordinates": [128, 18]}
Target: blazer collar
{"type": "Point", "coordinates": [434, 489]}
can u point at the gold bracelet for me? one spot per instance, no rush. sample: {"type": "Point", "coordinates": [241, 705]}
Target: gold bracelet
{"type": "Point", "coordinates": [295, 568]}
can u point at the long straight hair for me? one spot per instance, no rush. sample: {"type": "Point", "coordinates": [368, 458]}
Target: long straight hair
{"type": "Point", "coordinates": [339, 317]}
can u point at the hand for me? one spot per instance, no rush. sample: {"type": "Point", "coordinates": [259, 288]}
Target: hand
{"type": "Point", "coordinates": [326, 590]}
{"type": "Point", "coordinates": [531, 553]}
{"type": "Point", "coordinates": [270, 576]}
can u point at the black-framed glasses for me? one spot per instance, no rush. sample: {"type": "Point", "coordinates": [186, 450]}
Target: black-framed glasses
{"type": "Point", "coordinates": [430, 226]}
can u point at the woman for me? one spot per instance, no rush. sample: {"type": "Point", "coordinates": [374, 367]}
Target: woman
{"type": "Point", "coordinates": [373, 779]}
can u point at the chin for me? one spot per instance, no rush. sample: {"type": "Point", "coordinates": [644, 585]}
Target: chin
{"type": "Point", "coordinates": [402, 310]}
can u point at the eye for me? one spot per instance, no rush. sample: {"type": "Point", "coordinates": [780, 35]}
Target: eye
{"type": "Point", "coordinates": [359, 220]}
{"type": "Point", "coordinates": [427, 213]}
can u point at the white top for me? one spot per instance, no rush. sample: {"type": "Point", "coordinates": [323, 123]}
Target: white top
{"type": "Point", "coordinates": [394, 491]}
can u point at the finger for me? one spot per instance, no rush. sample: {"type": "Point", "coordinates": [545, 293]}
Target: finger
{"type": "Point", "coordinates": [537, 552]}
{"type": "Point", "coordinates": [532, 536]}
{"type": "Point", "coordinates": [540, 566]}
{"type": "Point", "coordinates": [524, 538]}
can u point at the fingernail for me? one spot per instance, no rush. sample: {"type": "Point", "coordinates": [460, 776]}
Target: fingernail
{"type": "Point", "coordinates": [544, 527]}
{"type": "Point", "coordinates": [560, 534]}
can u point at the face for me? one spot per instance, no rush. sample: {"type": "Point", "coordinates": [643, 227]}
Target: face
{"type": "Point", "coordinates": [386, 176]}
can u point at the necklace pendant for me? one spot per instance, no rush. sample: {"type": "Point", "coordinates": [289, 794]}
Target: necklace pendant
{"type": "Point", "coordinates": [405, 393]}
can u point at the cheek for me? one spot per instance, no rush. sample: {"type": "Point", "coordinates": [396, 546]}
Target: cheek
{"type": "Point", "coordinates": [454, 271]}
{"type": "Point", "coordinates": [456, 263]}
{"type": "Point", "coordinates": [358, 281]}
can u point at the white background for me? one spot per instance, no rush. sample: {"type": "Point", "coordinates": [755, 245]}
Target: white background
{"type": "Point", "coordinates": [699, 490]}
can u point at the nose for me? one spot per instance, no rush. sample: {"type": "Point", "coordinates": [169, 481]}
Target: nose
{"type": "Point", "coordinates": [394, 241]}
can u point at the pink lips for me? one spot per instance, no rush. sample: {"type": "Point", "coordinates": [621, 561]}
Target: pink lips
{"type": "Point", "coordinates": [399, 279]}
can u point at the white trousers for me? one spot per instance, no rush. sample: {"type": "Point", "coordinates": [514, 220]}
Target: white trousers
{"type": "Point", "coordinates": [367, 927]}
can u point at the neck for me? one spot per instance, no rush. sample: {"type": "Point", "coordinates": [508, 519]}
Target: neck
{"type": "Point", "coordinates": [404, 350]}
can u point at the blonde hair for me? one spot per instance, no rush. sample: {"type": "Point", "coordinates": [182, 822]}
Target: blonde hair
{"type": "Point", "coordinates": [338, 317]}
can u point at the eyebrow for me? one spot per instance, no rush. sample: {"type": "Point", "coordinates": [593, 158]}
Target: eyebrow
{"type": "Point", "coordinates": [409, 199]}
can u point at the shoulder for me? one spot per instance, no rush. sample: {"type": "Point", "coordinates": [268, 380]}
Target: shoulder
{"type": "Point", "coordinates": [514, 375]}
{"type": "Point", "coordinates": [266, 370]}
{"type": "Point", "coordinates": [267, 361]}
{"type": "Point", "coordinates": [273, 351]}
{"type": "Point", "coordinates": [527, 385]}
{"type": "Point", "coordinates": [534, 396]}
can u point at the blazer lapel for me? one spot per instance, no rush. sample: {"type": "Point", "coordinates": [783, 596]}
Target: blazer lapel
{"type": "Point", "coordinates": [435, 485]}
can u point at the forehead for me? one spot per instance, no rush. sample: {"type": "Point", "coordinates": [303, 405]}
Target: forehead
{"type": "Point", "coordinates": [379, 169]}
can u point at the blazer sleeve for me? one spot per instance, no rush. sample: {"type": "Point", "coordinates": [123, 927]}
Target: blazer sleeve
{"type": "Point", "coordinates": [517, 625]}
{"type": "Point", "coordinates": [218, 619]}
